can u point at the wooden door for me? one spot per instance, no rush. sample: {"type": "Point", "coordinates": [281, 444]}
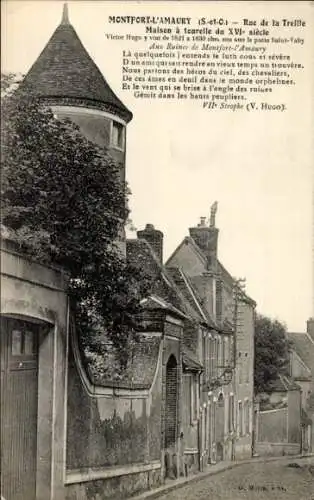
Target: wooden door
{"type": "Point", "coordinates": [19, 396]}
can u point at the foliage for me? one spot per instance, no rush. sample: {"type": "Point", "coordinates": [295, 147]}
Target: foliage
{"type": "Point", "coordinates": [271, 353]}
{"type": "Point", "coordinates": [64, 203]}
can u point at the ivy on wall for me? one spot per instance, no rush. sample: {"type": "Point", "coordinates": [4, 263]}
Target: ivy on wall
{"type": "Point", "coordinates": [63, 203]}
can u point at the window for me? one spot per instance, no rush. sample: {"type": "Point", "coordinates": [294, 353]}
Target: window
{"type": "Point", "coordinates": [220, 354]}
{"type": "Point", "coordinates": [240, 416]}
{"type": "Point", "coordinates": [231, 413]}
{"type": "Point", "coordinates": [191, 400]}
{"type": "Point", "coordinates": [194, 398]}
{"type": "Point", "coordinates": [23, 342]}
{"type": "Point", "coordinates": [117, 135]}
{"type": "Point", "coordinates": [246, 417]}
{"type": "Point", "coordinates": [214, 298]}
{"type": "Point", "coordinates": [219, 300]}
{"type": "Point", "coordinates": [29, 347]}
{"type": "Point", "coordinates": [205, 356]}
{"type": "Point", "coordinates": [213, 416]}
{"type": "Point", "coordinates": [16, 342]}
{"type": "Point", "coordinates": [212, 357]}
{"type": "Point", "coordinates": [223, 352]}
{"type": "Point", "coordinates": [247, 368]}
{"type": "Point", "coordinates": [227, 351]}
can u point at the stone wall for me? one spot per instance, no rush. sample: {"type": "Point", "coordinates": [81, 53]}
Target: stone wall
{"type": "Point", "coordinates": [294, 417]}
{"type": "Point", "coordinates": [276, 449]}
{"type": "Point", "coordinates": [33, 292]}
{"type": "Point", "coordinates": [113, 440]}
{"type": "Point", "coordinates": [272, 426]}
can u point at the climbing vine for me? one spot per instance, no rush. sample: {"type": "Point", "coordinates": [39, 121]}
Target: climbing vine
{"type": "Point", "coordinates": [63, 203]}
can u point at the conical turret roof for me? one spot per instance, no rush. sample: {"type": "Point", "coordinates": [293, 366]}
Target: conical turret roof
{"type": "Point", "coordinates": [65, 72]}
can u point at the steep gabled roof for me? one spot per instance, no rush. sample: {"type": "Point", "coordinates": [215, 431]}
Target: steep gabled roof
{"type": "Point", "coordinates": [225, 275]}
{"type": "Point", "coordinates": [64, 69]}
{"type": "Point", "coordinates": [155, 302]}
{"type": "Point", "coordinates": [197, 250]}
{"type": "Point", "coordinates": [304, 347]}
{"type": "Point", "coordinates": [140, 253]}
{"type": "Point", "coordinates": [191, 296]}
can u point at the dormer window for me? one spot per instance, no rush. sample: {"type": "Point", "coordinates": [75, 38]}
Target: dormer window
{"type": "Point", "coordinates": [117, 135]}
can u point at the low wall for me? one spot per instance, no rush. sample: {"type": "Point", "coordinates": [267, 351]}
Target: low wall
{"type": "Point", "coordinates": [115, 488]}
{"type": "Point", "coordinates": [113, 437]}
{"type": "Point", "coordinates": [272, 426]}
{"type": "Point", "coordinates": [276, 449]}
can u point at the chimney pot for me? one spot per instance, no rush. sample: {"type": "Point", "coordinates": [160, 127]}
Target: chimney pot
{"type": "Point", "coordinates": [203, 222]}
{"type": "Point", "coordinates": [206, 237]}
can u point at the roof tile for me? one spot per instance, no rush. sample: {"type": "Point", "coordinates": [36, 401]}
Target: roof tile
{"type": "Point", "coordinates": [64, 69]}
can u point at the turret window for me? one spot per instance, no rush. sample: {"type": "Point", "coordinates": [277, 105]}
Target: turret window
{"type": "Point", "coordinates": [117, 135]}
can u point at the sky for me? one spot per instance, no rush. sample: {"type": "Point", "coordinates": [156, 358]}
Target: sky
{"type": "Point", "coordinates": [181, 158]}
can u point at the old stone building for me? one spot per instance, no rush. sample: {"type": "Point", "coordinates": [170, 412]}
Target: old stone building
{"type": "Point", "coordinates": [302, 371]}
{"type": "Point", "coordinates": [86, 435]}
{"type": "Point", "coordinates": [66, 78]}
{"type": "Point", "coordinates": [227, 380]}
{"type": "Point", "coordinates": [146, 252]}
{"type": "Point", "coordinates": [34, 343]}
{"type": "Point", "coordinates": [68, 433]}
{"type": "Point", "coordinates": [185, 398]}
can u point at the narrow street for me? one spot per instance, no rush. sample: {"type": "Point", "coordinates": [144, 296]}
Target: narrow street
{"type": "Point", "coordinates": [283, 480]}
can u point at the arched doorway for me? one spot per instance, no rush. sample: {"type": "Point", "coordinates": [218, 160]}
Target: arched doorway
{"type": "Point", "coordinates": [171, 402]}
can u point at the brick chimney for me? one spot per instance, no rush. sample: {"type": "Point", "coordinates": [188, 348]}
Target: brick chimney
{"type": "Point", "coordinates": [206, 237]}
{"type": "Point", "coordinates": [310, 327]}
{"type": "Point", "coordinates": [155, 238]}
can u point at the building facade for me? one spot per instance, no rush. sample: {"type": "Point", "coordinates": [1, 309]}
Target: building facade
{"type": "Point", "coordinates": [185, 398]}
{"type": "Point", "coordinates": [66, 79]}
{"type": "Point", "coordinates": [34, 343]}
{"type": "Point", "coordinates": [302, 371]}
{"type": "Point", "coordinates": [228, 349]}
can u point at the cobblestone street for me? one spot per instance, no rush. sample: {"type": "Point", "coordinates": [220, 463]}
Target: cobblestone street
{"type": "Point", "coordinates": [282, 480]}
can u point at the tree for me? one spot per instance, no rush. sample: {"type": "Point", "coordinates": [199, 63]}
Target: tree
{"type": "Point", "coordinates": [63, 203]}
{"type": "Point", "coordinates": [271, 353]}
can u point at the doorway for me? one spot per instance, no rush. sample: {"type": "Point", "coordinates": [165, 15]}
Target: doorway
{"type": "Point", "coordinates": [19, 408]}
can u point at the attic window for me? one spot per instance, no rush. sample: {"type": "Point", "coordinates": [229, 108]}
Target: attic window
{"type": "Point", "coordinates": [117, 135]}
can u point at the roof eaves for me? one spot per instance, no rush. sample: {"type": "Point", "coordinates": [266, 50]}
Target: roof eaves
{"type": "Point", "coordinates": [164, 305]}
{"type": "Point", "coordinates": [190, 290]}
{"type": "Point", "coordinates": [244, 296]}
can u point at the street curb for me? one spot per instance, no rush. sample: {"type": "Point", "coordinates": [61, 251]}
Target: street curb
{"type": "Point", "coordinates": [180, 483]}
